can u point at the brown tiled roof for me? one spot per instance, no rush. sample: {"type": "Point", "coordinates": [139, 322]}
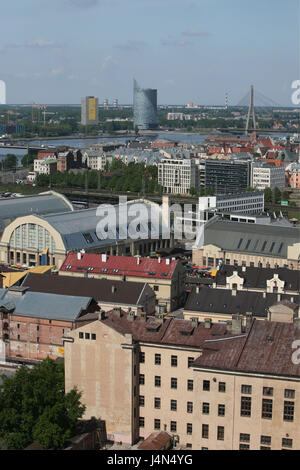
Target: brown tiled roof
{"type": "Point", "coordinates": [266, 349]}
{"type": "Point", "coordinates": [156, 441]}
{"type": "Point", "coordinates": [99, 289]}
{"type": "Point", "coordinates": [170, 331]}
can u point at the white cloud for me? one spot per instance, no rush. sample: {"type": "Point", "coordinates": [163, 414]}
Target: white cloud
{"type": "Point", "coordinates": [57, 72]}
{"type": "Point", "coordinates": [177, 42]}
{"type": "Point", "coordinates": [36, 43]}
{"type": "Point", "coordinates": [131, 45]}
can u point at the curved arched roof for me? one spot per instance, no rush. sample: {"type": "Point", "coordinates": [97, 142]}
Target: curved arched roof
{"type": "Point", "coordinates": [42, 204]}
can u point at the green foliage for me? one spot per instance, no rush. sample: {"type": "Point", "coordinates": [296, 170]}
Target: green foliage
{"type": "Point", "coordinates": [277, 195]}
{"type": "Point", "coordinates": [28, 159]}
{"type": "Point", "coordinates": [34, 406]}
{"type": "Point", "coordinates": [10, 162]}
{"type": "Point", "coordinates": [268, 194]}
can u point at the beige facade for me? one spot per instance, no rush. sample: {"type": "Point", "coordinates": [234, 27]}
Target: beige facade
{"type": "Point", "coordinates": [139, 387]}
{"type": "Point", "coordinates": [210, 255]}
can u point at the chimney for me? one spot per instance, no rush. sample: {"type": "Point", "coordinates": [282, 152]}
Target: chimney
{"type": "Point", "coordinates": [236, 327]}
{"type": "Point", "coordinates": [159, 259]}
{"type": "Point", "coordinates": [195, 321]}
{"type": "Point", "coordinates": [117, 311]}
{"type": "Point", "coordinates": [104, 258]}
{"type": "Point", "coordinates": [101, 315]}
{"type": "Point", "coordinates": [197, 289]}
{"type": "Point", "coordinates": [244, 269]}
{"type": "Point", "coordinates": [278, 297]}
{"type": "Point", "coordinates": [264, 294]}
{"type": "Point", "coordinates": [79, 255]}
{"type": "Point", "coordinates": [138, 260]}
{"type": "Point", "coordinates": [207, 323]}
{"type": "Point", "coordinates": [248, 320]}
{"type": "Point", "coordinates": [233, 292]}
{"type": "Point", "coordinates": [130, 315]}
{"type": "Point", "coordinates": [214, 285]}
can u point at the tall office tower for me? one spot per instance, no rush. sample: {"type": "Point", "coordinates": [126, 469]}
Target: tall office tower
{"type": "Point", "coordinates": [105, 103]}
{"type": "Point", "coordinates": [144, 107]}
{"type": "Point", "coordinates": [2, 92]}
{"type": "Point", "coordinates": [115, 103]}
{"type": "Point", "coordinates": [89, 111]}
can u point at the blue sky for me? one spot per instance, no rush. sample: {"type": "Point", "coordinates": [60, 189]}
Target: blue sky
{"type": "Point", "coordinates": [56, 51]}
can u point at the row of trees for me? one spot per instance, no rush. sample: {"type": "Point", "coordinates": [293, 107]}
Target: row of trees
{"type": "Point", "coordinates": [119, 177]}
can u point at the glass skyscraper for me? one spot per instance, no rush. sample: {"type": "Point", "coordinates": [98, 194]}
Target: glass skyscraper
{"type": "Point", "coordinates": [144, 107]}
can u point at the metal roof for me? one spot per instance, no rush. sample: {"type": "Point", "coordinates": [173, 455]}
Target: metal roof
{"type": "Point", "coordinates": [267, 240]}
{"type": "Point", "coordinates": [42, 305]}
{"type": "Point", "coordinates": [41, 204]}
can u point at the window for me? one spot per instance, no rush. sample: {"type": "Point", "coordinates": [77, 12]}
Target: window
{"type": "Point", "coordinates": [189, 428]}
{"type": "Point", "coordinates": [157, 403]}
{"type": "Point", "coordinates": [220, 433]}
{"type": "Point", "coordinates": [206, 385]}
{"type": "Point", "coordinates": [174, 361]}
{"type": "Point", "coordinates": [188, 445]}
{"type": "Point", "coordinates": [80, 335]}
{"type": "Point", "coordinates": [244, 447]}
{"type": "Point", "coordinates": [265, 448]}
{"type": "Point", "coordinates": [221, 410]}
{"type": "Point", "coordinates": [205, 431]}
{"type": "Point", "coordinates": [157, 359]}
{"type": "Point", "coordinates": [157, 381]}
{"type": "Point", "coordinates": [263, 246]}
{"type": "Point", "coordinates": [267, 408]}
{"type": "Point", "coordinates": [190, 385]}
{"type": "Point", "coordinates": [173, 426]}
{"type": "Point", "coordinates": [87, 336]}
{"type": "Point", "coordinates": [88, 237]}
{"type": "Point", "coordinates": [142, 357]}
{"type": "Point", "coordinates": [157, 424]}
{"type": "Point", "coordinates": [190, 361]}
{"type": "Point", "coordinates": [189, 407]}
{"type": "Point", "coordinates": [205, 408]}
{"type": "Point", "coordinates": [289, 393]}
{"type": "Point", "coordinates": [141, 400]}
{"type": "Point", "coordinates": [141, 422]}
{"type": "Point", "coordinates": [240, 242]}
{"type": "Point", "coordinates": [245, 406]}
{"type": "Point", "coordinates": [246, 389]}
{"type": "Point", "coordinates": [93, 336]}
{"type": "Point", "coordinates": [222, 387]}
{"type": "Point", "coordinates": [265, 440]}
{"type": "Point", "coordinates": [287, 442]}
{"type": "Point", "coordinates": [173, 382]}
{"type": "Point", "coordinates": [244, 437]}
{"type": "Point", "coordinates": [268, 391]}
{"type": "Point", "coordinates": [288, 411]}
{"type": "Point", "coordinates": [173, 405]}
{"type": "Point", "coordinates": [155, 288]}
{"type": "Point", "coordinates": [142, 379]}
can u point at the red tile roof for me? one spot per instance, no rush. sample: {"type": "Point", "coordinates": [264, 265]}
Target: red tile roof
{"type": "Point", "coordinates": [120, 265]}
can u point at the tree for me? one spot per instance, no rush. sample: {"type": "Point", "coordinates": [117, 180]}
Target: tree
{"type": "Point", "coordinates": [27, 160]}
{"type": "Point", "coordinates": [34, 406]}
{"type": "Point", "coordinates": [268, 194]}
{"type": "Point", "coordinates": [277, 195]}
{"type": "Point", "coordinates": [10, 162]}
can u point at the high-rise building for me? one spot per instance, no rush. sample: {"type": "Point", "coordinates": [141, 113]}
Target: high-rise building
{"type": "Point", "coordinates": [89, 111]}
{"type": "Point", "coordinates": [2, 92]}
{"type": "Point", "coordinates": [144, 107]}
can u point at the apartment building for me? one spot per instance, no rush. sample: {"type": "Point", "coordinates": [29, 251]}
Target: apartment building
{"type": "Point", "coordinates": [96, 159]}
{"type": "Point", "coordinates": [165, 276]}
{"type": "Point", "coordinates": [177, 176]}
{"type": "Point", "coordinates": [265, 175]}
{"type": "Point", "coordinates": [46, 166]}
{"type": "Point", "coordinates": [211, 386]}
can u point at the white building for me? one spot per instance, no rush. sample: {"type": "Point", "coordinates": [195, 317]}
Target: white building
{"type": "Point", "coordinates": [2, 92]}
{"type": "Point", "coordinates": [177, 176]}
{"type": "Point", "coordinates": [45, 166]}
{"type": "Point", "coordinates": [264, 175]}
{"type": "Point", "coordinates": [96, 159]}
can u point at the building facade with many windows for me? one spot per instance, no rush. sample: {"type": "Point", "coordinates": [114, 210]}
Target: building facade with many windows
{"type": "Point", "coordinates": [208, 386]}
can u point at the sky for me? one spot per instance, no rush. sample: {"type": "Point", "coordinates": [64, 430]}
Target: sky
{"type": "Point", "coordinates": [57, 51]}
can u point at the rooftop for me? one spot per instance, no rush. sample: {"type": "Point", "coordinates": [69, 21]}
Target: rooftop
{"type": "Point", "coordinates": [120, 265]}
